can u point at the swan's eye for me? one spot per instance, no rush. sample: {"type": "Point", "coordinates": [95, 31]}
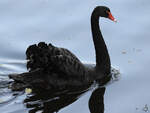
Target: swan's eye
{"type": "Point", "coordinates": [107, 12]}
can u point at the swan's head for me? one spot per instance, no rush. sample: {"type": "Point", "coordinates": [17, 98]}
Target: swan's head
{"type": "Point", "coordinates": [104, 11]}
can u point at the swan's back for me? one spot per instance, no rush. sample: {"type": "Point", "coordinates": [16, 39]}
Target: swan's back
{"type": "Point", "coordinates": [54, 59]}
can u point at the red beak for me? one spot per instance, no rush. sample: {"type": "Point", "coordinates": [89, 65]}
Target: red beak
{"type": "Point", "coordinates": [111, 17]}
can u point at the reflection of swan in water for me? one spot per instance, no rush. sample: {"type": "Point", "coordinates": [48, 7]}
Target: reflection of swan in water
{"type": "Point", "coordinates": [51, 101]}
{"type": "Point", "coordinates": [96, 102]}
{"type": "Point", "coordinates": [58, 67]}
{"type": "Point", "coordinates": [48, 102]}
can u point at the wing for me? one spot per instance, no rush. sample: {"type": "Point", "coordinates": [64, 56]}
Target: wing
{"type": "Point", "coordinates": [54, 59]}
{"type": "Point", "coordinates": [68, 65]}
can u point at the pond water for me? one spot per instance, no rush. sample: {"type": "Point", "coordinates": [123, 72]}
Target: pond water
{"type": "Point", "coordinates": [66, 23]}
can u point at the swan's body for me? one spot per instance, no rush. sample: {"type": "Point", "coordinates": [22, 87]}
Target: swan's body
{"type": "Point", "coordinates": [50, 66]}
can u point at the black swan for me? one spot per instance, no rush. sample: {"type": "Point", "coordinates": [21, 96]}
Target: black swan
{"type": "Point", "coordinates": [52, 67]}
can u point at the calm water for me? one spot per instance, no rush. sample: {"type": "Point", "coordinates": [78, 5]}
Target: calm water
{"type": "Point", "coordinates": [67, 24]}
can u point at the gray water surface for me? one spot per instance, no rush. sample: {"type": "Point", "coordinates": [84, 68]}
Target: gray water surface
{"type": "Point", "coordinates": [66, 23]}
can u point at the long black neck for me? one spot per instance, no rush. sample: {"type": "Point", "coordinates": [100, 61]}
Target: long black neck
{"type": "Point", "coordinates": [102, 57]}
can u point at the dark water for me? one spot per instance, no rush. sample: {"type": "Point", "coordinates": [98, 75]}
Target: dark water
{"type": "Point", "coordinates": [67, 24]}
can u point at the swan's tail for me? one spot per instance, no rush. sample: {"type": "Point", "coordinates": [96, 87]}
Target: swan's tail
{"type": "Point", "coordinates": [32, 79]}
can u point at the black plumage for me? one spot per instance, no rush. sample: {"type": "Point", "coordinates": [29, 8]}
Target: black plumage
{"type": "Point", "coordinates": [51, 66]}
